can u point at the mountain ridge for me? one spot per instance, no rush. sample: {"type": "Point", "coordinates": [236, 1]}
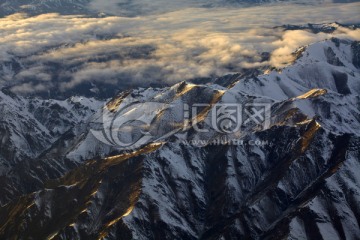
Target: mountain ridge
{"type": "Point", "coordinates": [306, 170]}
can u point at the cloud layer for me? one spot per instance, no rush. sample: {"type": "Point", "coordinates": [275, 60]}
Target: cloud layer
{"type": "Point", "coordinates": [61, 52]}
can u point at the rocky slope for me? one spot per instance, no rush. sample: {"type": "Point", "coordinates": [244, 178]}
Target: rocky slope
{"type": "Point", "coordinates": [293, 178]}
{"type": "Point", "coordinates": [29, 127]}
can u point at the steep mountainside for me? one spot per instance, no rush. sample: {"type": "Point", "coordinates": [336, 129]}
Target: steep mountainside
{"type": "Point", "coordinates": [295, 177]}
{"type": "Point", "coordinates": [29, 126]}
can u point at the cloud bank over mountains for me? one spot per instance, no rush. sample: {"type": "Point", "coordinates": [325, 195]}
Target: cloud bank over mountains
{"type": "Point", "coordinates": [53, 51]}
{"type": "Point", "coordinates": [147, 7]}
{"type": "Point", "coordinates": [132, 8]}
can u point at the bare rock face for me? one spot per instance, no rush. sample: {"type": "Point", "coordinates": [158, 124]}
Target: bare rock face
{"type": "Point", "coordinates": [296, 178]}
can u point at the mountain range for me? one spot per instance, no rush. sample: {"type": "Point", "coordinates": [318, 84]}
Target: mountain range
{"type": "Point", "coordinates": [128, 8]}
{"type": "Point", "coordinates": [295, 178]}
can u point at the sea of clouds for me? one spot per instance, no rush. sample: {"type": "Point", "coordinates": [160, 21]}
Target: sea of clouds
{"type": "Point", "coordinates": [53, 51]}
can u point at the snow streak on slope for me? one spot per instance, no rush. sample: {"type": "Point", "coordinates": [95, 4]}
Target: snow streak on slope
{"type": "Point", "coordinates": [30, 126]}
{"type": "Point", "coordinates": [301, 184]}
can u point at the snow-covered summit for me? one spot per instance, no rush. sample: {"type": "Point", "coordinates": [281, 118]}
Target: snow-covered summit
{"type": "Point", "coordinates": [300, 181]}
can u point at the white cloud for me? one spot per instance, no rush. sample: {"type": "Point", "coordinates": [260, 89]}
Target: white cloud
{"type": "Point", "coordinates": [169, 47]}
{"type": "Point", "coordinates": [292, 40]}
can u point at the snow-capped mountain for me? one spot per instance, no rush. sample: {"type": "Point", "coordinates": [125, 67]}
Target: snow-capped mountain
{"type": "Point", "coordinates": [30, 126]}
{"type": "Point", "coordinates": [299, 182]}
{"type": "Point", "coordinates": [44, 6]}
{"type": "Point", "coordinates": [131, 8]}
